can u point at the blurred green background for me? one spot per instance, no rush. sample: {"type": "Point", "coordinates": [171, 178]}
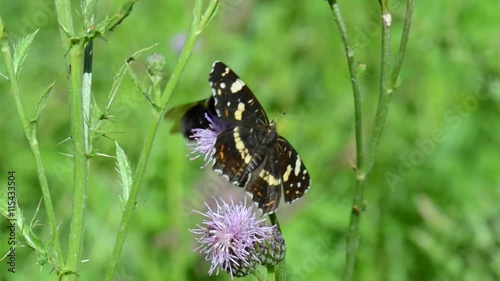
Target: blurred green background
{"type": "Point", "coordinates": [432, 200]}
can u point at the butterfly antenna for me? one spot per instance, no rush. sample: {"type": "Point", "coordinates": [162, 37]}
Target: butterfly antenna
{"type": "Point", "coordinates": [281, 117]}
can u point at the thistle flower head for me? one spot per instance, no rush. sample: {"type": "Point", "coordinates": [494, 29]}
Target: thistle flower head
{"type": "Point", "coordinates": [205, 139]}
{"type": "Point", "coordinates": [228, 236]}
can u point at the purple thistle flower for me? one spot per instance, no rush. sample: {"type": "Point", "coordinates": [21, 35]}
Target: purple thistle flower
{"type": "Point", "coordinates": [228, 235]}
{"type": "Point", "coordinates": [205, 139]}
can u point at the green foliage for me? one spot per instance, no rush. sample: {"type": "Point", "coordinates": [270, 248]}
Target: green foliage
{"type": "Point", "coordinates": [123, 168]}
{"type": "Point", "coordinates": [432, 209]}
{"type": "Point", "coordinates": [21, 51]}
{"type": "Point", "coordinates": [42, 102]}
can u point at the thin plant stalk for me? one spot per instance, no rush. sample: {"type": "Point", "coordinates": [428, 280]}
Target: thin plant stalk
{"type": "Point", "coordinates": [390, 83]}
{"type": "Point", "coordinates": [349, 52]}
{"type": "Point", "coordinates": [404, 42]}
{"type": "Point", "coordinates": [278, 271]}
{"type": "Point", "coordinates": [387, 86]}
{"type": "Point", "coordinates": [31, 135]}
{"type": "Point", "coordinates": [270, 273]}
{"type": "Point", "coordinates": [385, 92]}
{"type": "Point", "coordinates": [353, 230]}
{"type": "Point", "coordinates": [198, 24]}
{"type": "Point", "coordinates": [131, 203]}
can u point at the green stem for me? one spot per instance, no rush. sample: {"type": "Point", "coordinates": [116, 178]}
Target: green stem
{"type": "Point", "coordinates": [78, 137]}
{"type": "Point", "coordinates": [30, 132]}
{"type": "Point", "coordinates": [131, 203]}
{"type": "Point", "coordinates": [352, 237]}
{"type": "Point", "coordinates": [80, 160]}
{"type": "Point", "coordinates": [281, 267]}
{"type": "Point", "coordinates": [351, 62]}
{"type": "Point", "coordinates": [80, 100]}
{"type": "Point", "coordinates": [387, 86]}
{"type": "Point", "coordinates": [270, 273]}
{"type": "Point", "coordinates": [404, 42]}
{"type": "Point", "coordinates": [259, 275]}
{"type": "Point", "coordinates": [198, 24]}
{"type": "Point", "coordinates": [385, 93]}
{"type": "Point", "coordinates": [274, 220]}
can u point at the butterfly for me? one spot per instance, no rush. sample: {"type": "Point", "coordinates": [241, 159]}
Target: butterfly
{"type": "Point", "coordinates": [248, 151]}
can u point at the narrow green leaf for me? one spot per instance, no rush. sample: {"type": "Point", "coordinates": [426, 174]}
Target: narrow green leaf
{"type": "Point", "coordinates": [121, 15]}
{"type": "Point", "coordinates": [118, 79]}
{"type": "Point", "coordinates": [33, 222]}
{"type": "Point", "coordinates": [138, 83]}
{"type": "Point", "coordinates": [210, 13]}
{"type": "Point", "coordinates": [360, 71]}
{"type": "Point", "coordinates": [42, 102]}
{"type": "Point", "coordinates": [21, 51]}
{"type": "Point", "coordinates": [123, 168]}
{"type": "Point", "coordinates": [29, 237]}
{"type": "Point", "coordinates": [111, 23]}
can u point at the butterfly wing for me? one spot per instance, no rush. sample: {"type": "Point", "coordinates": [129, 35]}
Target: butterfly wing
{"type": "Point", "coordinates": [282, 168]}
{"type": "Point", "coordinates": [265, 183]}
{"type": "Point", "coordinates": [238, 152]}
{"type": "Point", "coordinates": [193, 116]}
{"type": "Point", "coordinates": [294, 174]}
{"type": "Point", "coordinates": [234, 101]}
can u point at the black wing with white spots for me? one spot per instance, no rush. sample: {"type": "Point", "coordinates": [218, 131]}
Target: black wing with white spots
{"type": "Point", "coordinates": [295, 177]}
{"type": "Point", "coordinates": [234, 102]}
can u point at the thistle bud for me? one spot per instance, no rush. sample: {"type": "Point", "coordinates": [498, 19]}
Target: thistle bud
{"type": "Point", "coordinates": [272, 250]}
{"type": "Point", "coordinates": [155, 64]}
